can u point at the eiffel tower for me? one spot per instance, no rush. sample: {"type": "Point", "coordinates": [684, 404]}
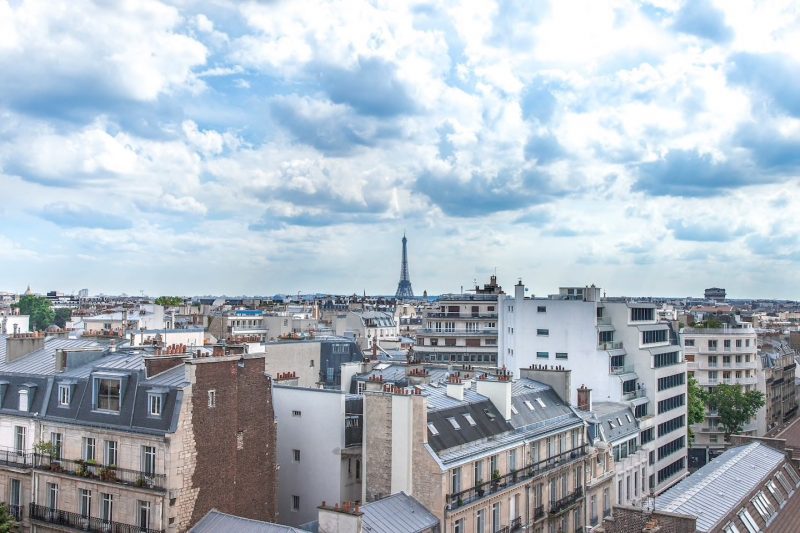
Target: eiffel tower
{"type": "Point", "coordinates": [404, 289]}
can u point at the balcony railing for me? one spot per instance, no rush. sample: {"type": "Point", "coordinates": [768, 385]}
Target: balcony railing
{"type": "Point", "coordinates": [538, 513]}
{"type": "Point", "coordinates": [609, 345]}
{"type": "Point", "coordinates": [559, 506]}
{"type": "Point", "coordinates": [84, 523]}
{"type": "Point", "coordinates": [15, 511]}
{"type": "Point", "coordinates": [111, 474]}
{"type": "Point", "coordinates": [455, 332]}
{"type": "Point", "coordinates": [632, 395]}
{"type": "Point", "coordinates": [516, 523]}
{"type": "Point", "coordinates": [501, 483]}
{"type": "Point", "coordinates": [17, 459]}
{"type": "Point", "coordinates": [488, 316]}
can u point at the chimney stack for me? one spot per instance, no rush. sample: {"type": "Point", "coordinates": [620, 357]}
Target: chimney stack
{"type": "Point", "coordinates": [584, 398]}
{"type": "Point", "coordinates": [455, 388]}
{"type": "Point", "coordinates": [19, 345]}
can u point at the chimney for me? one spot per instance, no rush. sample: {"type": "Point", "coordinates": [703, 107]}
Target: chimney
{"type": "Point", "coordinates": [584, 398]}
{"type": "Point", "coordinates": [499, 392]}
{"type": "Point", "coordinates": [455, 389]}
{"type": "Point", "coordinates": [346, 518]}
{"type": "Point", "coordinates": [21, 344]}
{"type": "Point", "coordinates": [519, 291]}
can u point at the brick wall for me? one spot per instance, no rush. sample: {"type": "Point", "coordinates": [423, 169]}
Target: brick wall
{"type": "Point", "coordinates": [234, 442]}
{"type": "Point", "coordinates": [156, 365]}
{"type": "Point", "coordinates": [377, 446]}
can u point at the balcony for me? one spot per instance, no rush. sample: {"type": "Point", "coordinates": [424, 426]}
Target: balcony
{"type": "Point", "coordinates": [609, 345]}
{"type": "Point", "coordinates": [502, 483]}
{"type": "Point", "coordinates": [10, 457]}
{"type": "Point", "coordinates": [559, 506]}
{"type": "Point", "coordinates": [433, 332]}
{"type": "Point", "coordinates": [15, 511]}
{"type": "Point", "coordinates": [538, 513]}
{"type": "Point", "coordinates": [632, 395]}
{"type": "Point", "coordinates": [40, 513]}
{"type": "Point", "coordinates": [459, 316]}
{"type": "Point", "coordinates": [109, 474]}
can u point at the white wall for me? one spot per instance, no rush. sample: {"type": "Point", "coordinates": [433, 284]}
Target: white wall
{"type": "Point", "coordinates": [174, 336]}
{"type": "Point", "coordinates": [7, 323]}
{"type": "Point", "coordinates": [319, 435]}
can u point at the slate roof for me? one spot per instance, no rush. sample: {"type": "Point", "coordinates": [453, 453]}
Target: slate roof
{"type": "Point", "coordinates": [605, 412]}
{"type": "Point", "coordinates": [720, 486]}
{"type": "Point", "coordinates": [214, 521]}
{"type": "Point", "coordinates": [41, 362]}
{"type": "Point", "coordinates": [398, 513]}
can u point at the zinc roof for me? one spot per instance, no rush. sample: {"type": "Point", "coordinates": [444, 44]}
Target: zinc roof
{"type": "Point", "coordinates": [398, 513]}
{"type": "Point", "coordinates": [41, 362]}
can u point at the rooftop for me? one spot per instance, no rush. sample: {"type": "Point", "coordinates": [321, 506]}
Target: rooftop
{"type": "Point", "coordinates": [215, 521]}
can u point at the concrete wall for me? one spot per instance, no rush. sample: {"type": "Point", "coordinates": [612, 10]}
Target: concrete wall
{"type": "Point", "coordinates": [301, 357]}
{"type": "Point", "coordinates": [318, 433]}
{"type": "Point", "coordinates": [7, 323]}
{"type": "Point", "coordinates": [629, 520]}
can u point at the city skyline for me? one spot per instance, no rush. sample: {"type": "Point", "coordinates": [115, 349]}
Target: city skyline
{"type": "Point", "coordinates": [204, 148]}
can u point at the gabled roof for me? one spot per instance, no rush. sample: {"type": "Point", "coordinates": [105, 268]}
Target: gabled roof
{"type": "Point", "coordinates": [215, 521]}
{"type": "Point", "coordinates": [398, 513]}
{"type": "Point", "coordinates": [720, 486]}
{"type": "Point", "coordinates": [42, 362]}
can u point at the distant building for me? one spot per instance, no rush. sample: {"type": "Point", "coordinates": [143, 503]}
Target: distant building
{"type": "Point", "coordinates": [83, 293]}
{"type": "Point", "coordinates": [461, 328]}
{"type": "Point", "coordinates": [776, 382]}
{"type": "Point", "coordinates": [715, 293]}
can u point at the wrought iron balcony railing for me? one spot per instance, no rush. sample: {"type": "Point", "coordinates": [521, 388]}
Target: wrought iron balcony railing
{"type": "Point", "coordinates": [559, 506]}
{"type": "Point", "coordinates": [84, 523]}
{"type": "Point", "coordinates": [111, 474]}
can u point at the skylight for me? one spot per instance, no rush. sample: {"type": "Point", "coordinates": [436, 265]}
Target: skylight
{"type": "Point", "coordinates": [540, 402]}
{"type": "Point", "coordinates": [469, 419]}
{"type": "Point", "coordinates": [529, 405]}
{"type": "Point", "coordinates": [432, 429]}
{"type": "Point", "coordinates": [514, 410]}
{"type": "Point", "coordinates": [453, 422]}
{"type": "Point", "coordinates": [628, 417]}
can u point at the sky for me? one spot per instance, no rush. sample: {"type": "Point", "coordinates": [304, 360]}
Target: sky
{"type": "Point", "coordinates": [210, 147]}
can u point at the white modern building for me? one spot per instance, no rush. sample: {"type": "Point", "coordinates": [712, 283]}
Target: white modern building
{"type": "Point", "coordinates": [619, 349]}
{"type": "Point", "coordinates": [368, 327]}
{"type": "Point", "coordinates": [11, 323]}
{"type": "Point", "coordinates": [319, 450]}
{"type": "Point", "coordinates": [721, 356]}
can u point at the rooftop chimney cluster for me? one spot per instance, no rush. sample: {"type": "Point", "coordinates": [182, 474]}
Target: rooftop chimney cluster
{"type": "Point", "coordinates": [33, 335]}
{"type": "Point", "coordinates": [419, 372]}
{"type": "Point", "coordinates": [285, 375]}
{"type": "Point", "coordinates": [377, 379]}
{"type": "Point", "coordinates": [546, 367]}
{"type": "Point", "coordinates": [172, 349]}
{"type": "Point", "coordinates": [400, 390]}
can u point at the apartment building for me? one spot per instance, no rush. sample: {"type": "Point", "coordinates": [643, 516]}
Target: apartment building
{"type": "Point", "coordinates": [238, 325]}
{"type": "Point", "coordinates": [461, 328]}
{"type": "Point", "coordinates": [484, 453]}
{"type": "Point", "coordinates": [721, 356]}
{"type": "Point", "coordinates": [315, 363]}
{"type": "Point", "coordinates": [617, 348]}
{"type": "Point", "coordinates": [776, 380]}
{"type": "Point", "coordinates": [119, 441]}
{"type": "Point", "coordinates": [319, 449]}
{"type": "Point", "coordinates": [368, 327]}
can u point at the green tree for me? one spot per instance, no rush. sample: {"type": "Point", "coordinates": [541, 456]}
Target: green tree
{"type": "Point", "coordinates": [39, 309]}
{"type": "Point", "coordinates": [7, 521]}
{"type": "Point", "coordinates": [735, 407]}
{"type": "Point", "coordinates": [63, 315]}
{"type": "Point", "coordinates": [169, 301]}
{"type": "Point", "coordinates": [696, 405]}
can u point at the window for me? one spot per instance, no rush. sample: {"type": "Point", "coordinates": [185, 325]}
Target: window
{"type": "Point", "coordinates": [63, 395]}
{"type": "Point", "coordinates": [712, 345]}
{"type": "Point", "coordinates": [144, 514]}
{"type": "Point", "coordinates": [57, 440]}
{"type": "Point", "coordinates": [668, 382]}
{"type": "Point", "coordinates": [688, 342]}
{"type": "Point", "coordinates": [671, 447]}
{"type": "Point", "coordinates": [311, 363]}
{"type": "Point", "coordinates": [470, 419]}
{"type": "Point", "coordinates": [672, 469]}
{"type": "Point", "coordinates": [730, 527]}
{"type": "Point", "coordinates": [480, 520]}
{"type": "Point", "coordinates": [89, 448]}
{"type": "Point", "coordinates": [784, 483]}
{"type": "Point", "coordinates": [455, 480]}
{"type": "Point", "coordinates": [776, 492]}
{"type": "Point", "coordinates": [646, 436]}
{"type": "Point", "coordinates": [453, 422]}
{"type": "Point", "coordinates": [541, 309]}
{"type": "Point", "coordinates": [606, 503]}
{"type": "Point", "coordinates": [86, 503]}
{"type": "Point", "coordinates": [52, 496]}
{"type": "Point", "coordinates": [358, 468]}
{"type": "Point", "coordinates": [297, 413]}
{"type": "Point", "coordinates": [642, 314]}
{"type": "Point", "coordinates": [763, 506]}
{"type": "Point", "coordinates": [493, 465]}
{"type": "Point", "coordinates": [16, 492]}
{"type": "Point", "coordinates": [542, 355]}
{"type": "Point", "coordinates": [108, 394]}
{"type": "Point", "coordinates": [432, 429]}
{"type": "Point", "coordinates": [295, 502]}
{"type": "Point", "coordinates": [107, 509]}
{"type": "Point", "coordinates": [296, 456]}
{"type": "Point", "coordinates": [458, 527]}
{"type": "Point", "coordinates": [671, 425]}
{"type": "Point", "coordinates": [111, 452]}
{"type": "Point", "coordinates": [19, 439]}
{"type": "Point", "coordinates": [148, 460]}
{"type": "Point", "coordinates": [496, 516]}
{"type": "Point", "coordinates": [212, 398]}
{"type": "Point", "coordinates": [671, 403]}
{"type": "Point", "coordinates": [542, 332]}
{"type": "Point", "coordinates": [652, 337]}
{"type": "Point", "coordinates": [23, 399]}
{"type": "Point", "coordinates": [561, 355]}
{"type": "Point", "coordinates": [512, 460]}
{"type": "Point", "coordinates": [154, 403]}
{"type": "Point", "coordinates": [666, 359]}
{"type": "Point", "coordinates": [748, 521]}
{"type": "Point", "coordinates": [478, 473]}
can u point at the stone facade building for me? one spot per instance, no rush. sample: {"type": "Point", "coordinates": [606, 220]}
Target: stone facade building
{"type": "Point", "coordinates": [122, 441]}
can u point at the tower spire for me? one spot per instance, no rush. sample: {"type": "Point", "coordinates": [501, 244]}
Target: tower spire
{"type": "Point", "coordinates": [404, 289]}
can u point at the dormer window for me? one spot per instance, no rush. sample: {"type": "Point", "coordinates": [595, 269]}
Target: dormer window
{"type": "Point", "coordinates": [23, 399]}
{"type": "Point", "coordinates": [107, 394]}
{"type": "Point", "coordinates": [154, 404]}
{"type": "Point", "coordinates": [64, 394]}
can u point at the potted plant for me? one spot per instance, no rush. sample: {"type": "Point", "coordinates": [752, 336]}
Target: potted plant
{"type": "Point", "coordinates": [140, 482]}
{"type": "Point", "coordinates": [108, 473]}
